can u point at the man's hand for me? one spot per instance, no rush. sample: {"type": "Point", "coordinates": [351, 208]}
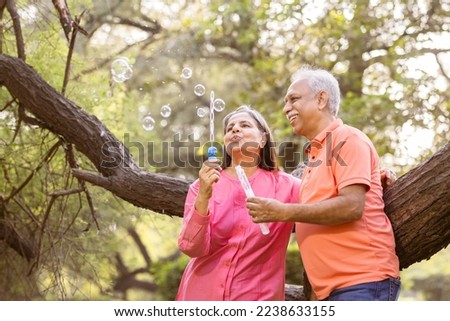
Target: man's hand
{"type": "Point", "coordinates": [346, 207]}
{"type": "Point", "coordinates": [265, 209]}
{"type": "Point", "coordinates": [388, 177]}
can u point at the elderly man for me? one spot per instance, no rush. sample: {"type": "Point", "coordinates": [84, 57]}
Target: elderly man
{"type": "Point", "coordinates": [345, 238]}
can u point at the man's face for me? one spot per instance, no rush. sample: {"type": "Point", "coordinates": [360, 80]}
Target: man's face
{"type": "Point", "coordinates": [301, 108]}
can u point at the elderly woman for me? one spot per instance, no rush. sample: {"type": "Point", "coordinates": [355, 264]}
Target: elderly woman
{"type": "Point", "coordinates": [231, 259]}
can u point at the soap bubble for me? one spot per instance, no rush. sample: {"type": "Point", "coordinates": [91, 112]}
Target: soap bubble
{"type": "Point", "coordinates": [202, 112]}
{"type": "Point", "coordinates": [121, 70]}
{"type": "Point", "coordinates": [199, 90]}
{"type": "Point", "coordinates": [148, 123]}
{"type": "Point", "coordinates": [166, 111]}
{"type": "Point", "coordinates": [119, 63]}
{"type": "Point", "coordinates": [186, 73]}
{"type": "Point", "coordinates": [219, 104]}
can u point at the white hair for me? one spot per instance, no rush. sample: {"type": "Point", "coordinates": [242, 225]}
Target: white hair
{"type": "Point", "coordinates": [321, 80]}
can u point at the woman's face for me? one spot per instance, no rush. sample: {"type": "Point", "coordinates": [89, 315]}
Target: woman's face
{"type": "Point", "coordinates": [243, 136]}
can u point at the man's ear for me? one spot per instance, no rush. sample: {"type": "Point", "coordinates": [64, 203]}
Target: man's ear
{"type": "Point", "coordinates": [322, 99]}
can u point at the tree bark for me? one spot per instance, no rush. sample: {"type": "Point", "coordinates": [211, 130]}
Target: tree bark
{"type": "Point", "coordinates": [417, 204]}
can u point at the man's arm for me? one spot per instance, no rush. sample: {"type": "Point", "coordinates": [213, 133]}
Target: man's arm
{"type": "Point", "coordinates": [346, 207]}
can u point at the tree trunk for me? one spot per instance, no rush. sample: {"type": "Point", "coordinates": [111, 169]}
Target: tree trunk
{"type": "Point", "coordinates": [417, 204]}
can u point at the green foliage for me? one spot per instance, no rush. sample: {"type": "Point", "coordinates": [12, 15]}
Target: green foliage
{"type": "Point", "coordinates": [428, 280]}
{"type": "Point", "coordinates": [168, 276]}
{"type": "Point", "coordinates": [294, 266]}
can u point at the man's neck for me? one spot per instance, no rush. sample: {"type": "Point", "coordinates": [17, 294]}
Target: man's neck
{"type": "Point", "coordinates": [321, 125]}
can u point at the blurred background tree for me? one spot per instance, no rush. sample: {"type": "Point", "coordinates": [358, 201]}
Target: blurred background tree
{"type": "Point", "coordinates": [391, 58]}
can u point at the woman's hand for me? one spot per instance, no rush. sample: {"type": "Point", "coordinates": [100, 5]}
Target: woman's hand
{"type": "Point", "coordinates": [208, 175]}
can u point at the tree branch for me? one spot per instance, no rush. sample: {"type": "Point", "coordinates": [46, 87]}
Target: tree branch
{"type": "Point", "coordinates": [64, 16]}
{"type": "Point", "coordinates": [11, 237]}
{"type": "Point", "coordinates": [153, 29]}
{"type": "Point", "coordinates": [11, 6]}
{"type": "Point", "coordinates": [2, 9]}
{"type": "Point", "coordinates": [118, 172]}
{"type": "Point", "coordinates": [15, 241]}
{"type": "Point", "coordinates": [50, 153]}
{"type": "Point", "coordinates": [137, 239]}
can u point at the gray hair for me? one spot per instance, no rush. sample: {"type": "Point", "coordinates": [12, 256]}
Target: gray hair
{"type": "Point", "coordinates": [321, 80]}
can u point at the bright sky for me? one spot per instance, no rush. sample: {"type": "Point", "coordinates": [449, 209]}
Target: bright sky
{"type": "Point", "coordinates": [416, 141]}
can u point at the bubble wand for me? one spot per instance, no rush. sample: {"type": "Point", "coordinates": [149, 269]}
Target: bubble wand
{"type": "Point", "coordinates": [212, 161]}
{"type": "Point", "coordinates": [212, 151]}
{"type": "Point", "coordinates": [249, 193]}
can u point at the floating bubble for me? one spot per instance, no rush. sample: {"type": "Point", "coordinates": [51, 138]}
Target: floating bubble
{"type": "Point", "coordinates": [128, 73]}
{"type": "Point", "coordinates": [166, 111]}
{"type": "Point", "coordinates": [119, 66]}
{"type": "Point", "coordinates": [148, 123]}
{"type": "Point", "coordinates": [163, 122]}
{"type": "Point", "coordinates": [219, 104]}
{"type": "Point", "coordinates": [118, 78]}
{"type": "Point", "coordinates": [123, 59]}
{"type": "Point", "coordinates": [199, 90]}
{"type": "Point", "coordinates": [186, 73]}
{"type": "Point", "coordinates": [202, 112]}
{"type": "Point", "coordinates": [121, 70]}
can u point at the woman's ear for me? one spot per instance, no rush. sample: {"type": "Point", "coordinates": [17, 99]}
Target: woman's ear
{"type": "Point", "coordinates": [263, 141]}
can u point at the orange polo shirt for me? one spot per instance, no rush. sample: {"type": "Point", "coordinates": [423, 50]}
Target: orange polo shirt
{"type": "Point", "coordinates": [342, 255]}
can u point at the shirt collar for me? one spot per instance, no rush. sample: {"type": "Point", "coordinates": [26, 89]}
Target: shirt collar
{"type": "Point", "coordinates": [331, 127]}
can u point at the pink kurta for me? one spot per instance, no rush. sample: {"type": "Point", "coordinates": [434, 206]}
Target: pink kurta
{"type": "Point", "coordinates": [230, 258]}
